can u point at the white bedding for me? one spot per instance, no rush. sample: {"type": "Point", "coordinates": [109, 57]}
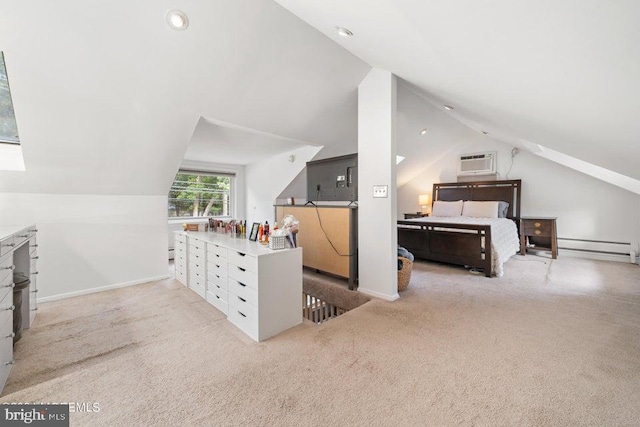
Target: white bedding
{"type": "Point", "coordinates": [504, 237]}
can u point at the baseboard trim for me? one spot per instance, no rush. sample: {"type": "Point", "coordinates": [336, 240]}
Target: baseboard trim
{"type": "Point", "coordinates": [378, 294]}
{"type": "Point", "coordinates": [101, 289]}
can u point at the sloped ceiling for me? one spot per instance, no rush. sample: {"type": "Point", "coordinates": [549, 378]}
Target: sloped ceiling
{"type": "Point", "coordinates": [107, 96]}
{"type": "Point", "coordinates": [219, 142]}
{"type": "Point", "coordinates": [560, 74]}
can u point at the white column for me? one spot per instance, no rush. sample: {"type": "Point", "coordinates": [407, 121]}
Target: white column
{"type": "Point", "coordinates": [377, 230]}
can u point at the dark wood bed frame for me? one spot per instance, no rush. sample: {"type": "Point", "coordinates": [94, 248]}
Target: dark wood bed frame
{"type": "Point", "coordinates": [438, 241]}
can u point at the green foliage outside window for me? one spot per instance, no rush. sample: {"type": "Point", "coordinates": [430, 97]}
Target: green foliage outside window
{"type": "Point", "coordinates": [198, 195]}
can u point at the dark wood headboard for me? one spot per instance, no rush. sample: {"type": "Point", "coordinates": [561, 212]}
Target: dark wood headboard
{"type": "Point", "coordinates": [508, 191]}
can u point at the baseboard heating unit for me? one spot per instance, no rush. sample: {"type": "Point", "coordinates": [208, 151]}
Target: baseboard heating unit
{"type": "Point", "coordinates": [599, 249]}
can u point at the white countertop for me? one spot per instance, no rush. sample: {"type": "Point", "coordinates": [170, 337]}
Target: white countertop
{"type": "Point", "coordinates": [239, 244]}
{"type": "Point", "coordinates": [10, 230]}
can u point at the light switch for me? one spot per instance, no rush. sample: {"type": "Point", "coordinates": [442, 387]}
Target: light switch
{"type": "Point", "coordinates": [380, 191]}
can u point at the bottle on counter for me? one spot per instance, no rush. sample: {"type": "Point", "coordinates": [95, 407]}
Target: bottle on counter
{"type": "Point", "coordinates": [260, 233]}
{"type": "Point", "coordinates": [266, 228]}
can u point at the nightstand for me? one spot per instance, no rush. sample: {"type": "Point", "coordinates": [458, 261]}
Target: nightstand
{"type": "Point", "coordinates": [415, 215]}
{"type": "Point", "coordinates": [538, 233]}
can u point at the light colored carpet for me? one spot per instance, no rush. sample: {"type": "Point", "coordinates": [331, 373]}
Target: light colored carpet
{"type": "Point", "coordinates": [550, 343]}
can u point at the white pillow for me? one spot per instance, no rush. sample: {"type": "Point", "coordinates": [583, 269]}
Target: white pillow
{"type": "Point", "coordinates": [441, 208]}
{"type": "Point", "coordinates": [480, 209]}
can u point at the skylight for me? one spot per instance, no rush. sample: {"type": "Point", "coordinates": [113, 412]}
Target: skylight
{"type": "Point", "coordinates": [8, 125]}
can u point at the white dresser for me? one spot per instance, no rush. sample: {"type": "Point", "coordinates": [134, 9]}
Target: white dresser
{"type": "Point", "coordinates": [180, 258]}
{"type": "Point", "coordinates": [18, 252]}
{"type": "Point", "coordinates": [259, 289]}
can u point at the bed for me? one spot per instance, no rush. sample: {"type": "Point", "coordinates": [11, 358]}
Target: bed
{"type": "Point", "coordinates": [479, 243]}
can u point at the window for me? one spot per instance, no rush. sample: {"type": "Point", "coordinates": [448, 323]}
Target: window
{"type": "Point", "coordinates": [200, 194]}
{"type": "Point", "coordinates": [8, 126]}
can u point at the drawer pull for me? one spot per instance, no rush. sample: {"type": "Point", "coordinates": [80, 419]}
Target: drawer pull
{"type": "Point", "coordinates": [11, 335]}
{"type": "Point", "coordinates": [13, 307]}
{"type": "Point", "coordinates": [12, 267]}
{"type": "Point", "coordinates": [538, 231]}
{"type": "Point", "coordinates": [241, 254]}
{"type": "Point", "coordinates": [9, 363]}
{"type": "Point", "coordinates": [537, 224]}
{"type": "Point", "coordinates": [10, 244]}
{"type": "Point", "coordinates": [35, 230]}
{"type": "Point", "coordinates": [241, 269]}
{"type": "Point", "coordinates": [217, 297]}
{"type": "Point", "coordinates": [35, 257]}
{"type": "Point", "coordinates": [242, 314]}
{"type": "Point", "coordinates": [241, 284]}
{"type": "Point", "coordinates": [23, 235]}
{"type": "Point", "coordinates": [36, 272]}
{"type": "Point", "coordinates": [242, 299]}
{"type": "Point", "coordinates": [11, 285]}
{"type": "Point", "coordinates": [35, 291]}
{"type": "Point", "coordinates": [34, 246]}
{"type": "Point", "coordinates": [34, 309]}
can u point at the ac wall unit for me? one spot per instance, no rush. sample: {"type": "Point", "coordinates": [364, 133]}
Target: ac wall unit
{"type": "Point", "coordinates": [477, 164]}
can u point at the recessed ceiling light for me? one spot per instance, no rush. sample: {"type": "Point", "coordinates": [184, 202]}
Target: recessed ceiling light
{"type": "Point", "coordinates": [448, 107]}
{"type": "Point", "coordinates": [177, 20]}
{"type": "Point", "coordinates": [423, 131]}
{"type": "Point", "coordinates": [344, 32]}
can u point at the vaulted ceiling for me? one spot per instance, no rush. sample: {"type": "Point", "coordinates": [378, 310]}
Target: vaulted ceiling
{"type": "Point", "coordinates": [108, 97]}
{"type": "Point", "coordinates": [555, 73]}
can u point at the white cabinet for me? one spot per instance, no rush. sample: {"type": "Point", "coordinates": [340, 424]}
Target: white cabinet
{"type": "Point", "coordinates": [18, 252]}
{"type": "Point", "coordinates": [259, 289]}
{"type": "Point", "coordinates": [180, 257]}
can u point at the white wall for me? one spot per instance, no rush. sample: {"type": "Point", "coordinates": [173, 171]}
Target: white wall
{"type": "Point", "coordinates": [377, 232]}
{"type": "Point", "coordinates": [265, 180]}
{"type": "Point", "coordinates": [87, 242]}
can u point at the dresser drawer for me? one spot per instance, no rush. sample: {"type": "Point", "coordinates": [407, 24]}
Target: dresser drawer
{"type": "Point", "coordinates": [197, 273]}
{"type": "Point", "coordinates": [218, 302]}
{"type": "Point", "coordinates": [6, 270]}
{"type": "Point", "coordinates": [181, 277]}
{"type": "Point", "coordinates": [217, 281]}
{"type": "Point", "coordinates": [219, 295]}
{"type": "Point", "coordinates": [244, 316]}
{"type": "Point", "coordinates": [197, 266]}
{"type": "Point", "coordinates": [6, 339]}
{"type": "Point", "coordinates": [196, 255]}
{"type": "Point", "coordinates": [197, 287]}
{"type": "Point", "coordinates": [217, 268]}
{"type": "Point", "coordinates": [537, 228]}
{"type": "Point", "coordinates": [33, 245]}
{"type": "Point", "coordinates": [6, 246]}
{"type": "Point", "coordinates": [197, 245]}
{"type": "Point", "coordinates": [237, 289]}
{"type": "Point", "coordinates": [6, 298]}
{"type": "Point", "coordinates": [243, 276]}
{"type": "Point", "coordinates": [216, 251]}
{"type": "Point", "coordinates": [20, 237]}
{"type": "Point", "coordinates": [243, 260]}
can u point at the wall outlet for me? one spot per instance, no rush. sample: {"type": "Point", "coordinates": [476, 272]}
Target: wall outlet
{"type": "Point", "coordinates": [380, 191]}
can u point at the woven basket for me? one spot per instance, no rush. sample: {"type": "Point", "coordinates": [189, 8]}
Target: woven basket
{"type": "Point", "coordinates": [404, 275]}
